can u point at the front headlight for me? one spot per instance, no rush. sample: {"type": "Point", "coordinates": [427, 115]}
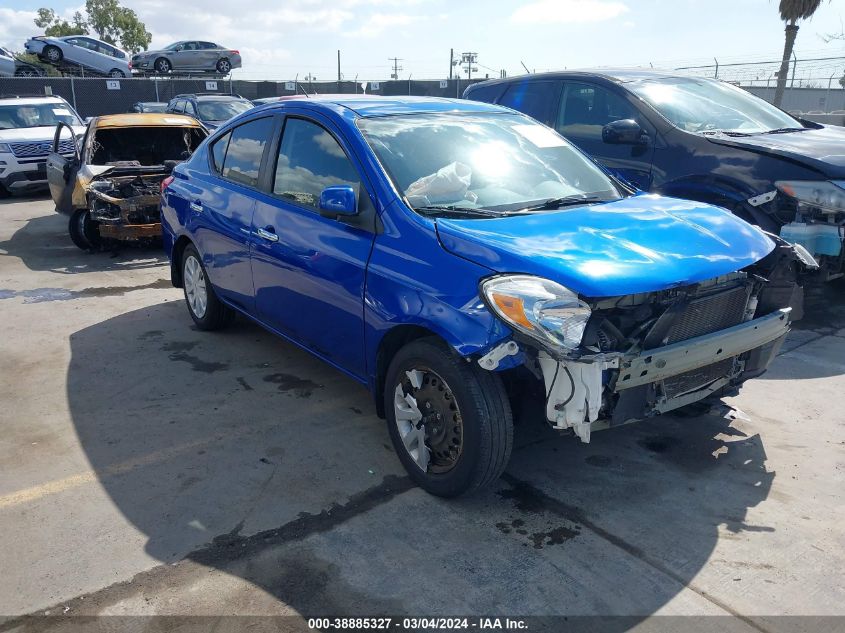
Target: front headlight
{"type": "Point", "coordinates": [539, 308]}
{"type": "Point", "coordinates": [5, 149]}
{"type": "Point", "coordinates": [827, 196]}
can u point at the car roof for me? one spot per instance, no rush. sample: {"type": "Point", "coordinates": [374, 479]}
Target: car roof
{"type": "Point", "coordinates": [376, 105]}
{"type": "Point", "coordinates": [618, 75]}
{"type": "Point", "coordinates": [5, 99]}
{"type": "Point", "coordinates": [144, 119]}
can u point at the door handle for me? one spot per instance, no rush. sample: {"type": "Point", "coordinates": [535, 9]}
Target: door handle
{"type": "Point", "coordinates": [196, 207]}
{"type": "Point", "coordinates": [268, 235]}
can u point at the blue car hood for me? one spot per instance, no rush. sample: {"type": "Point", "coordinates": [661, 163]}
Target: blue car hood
{"type": "Point", "coordinates": [639, 244]}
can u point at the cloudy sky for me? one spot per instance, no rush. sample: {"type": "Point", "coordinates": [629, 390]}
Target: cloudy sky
{"type": "Point", "coordinates": [283, 38]}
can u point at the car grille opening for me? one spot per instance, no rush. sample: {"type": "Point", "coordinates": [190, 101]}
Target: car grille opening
{"type": "Point", "coordinates": [42, 148]}
{"type": "Point", "coordinates": [675, 386]}
{"type": "Point", "coordinates": [710, 313]}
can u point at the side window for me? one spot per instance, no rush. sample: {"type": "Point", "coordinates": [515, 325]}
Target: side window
{"type": "Point", "coordinates": [534, 98]}
{"type": "Point", "coordinates": [190, 108]}
{"type": "Point", "coordinates": [208, 46]}
{"type": "Point", "coordinates": [585, 109]}
{"type": "Point", "coordinates": [243, 156]}
{"type": "Point", "coordinates": [310, 159]}
{"type": "Point", "coordinates": [218, 151]}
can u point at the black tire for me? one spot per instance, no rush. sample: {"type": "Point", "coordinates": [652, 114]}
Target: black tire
{"type": "Point", "coordinates": [4, 193]}
{"type": "Point", "coordinates": [481, 404]}
{"type": "Point", "coordinates": [162, 65]}
{"type": "Point", "coordinates": [84, 232]}
{"type": "Point", "coordinates": [217, 315]}
{"type": "Point", "coordinates": [26, 72]}
{"type": "Point", "coordinates": [224, 66]}
{"type": "Point", "coordinates": [53, 54]}
{"type": "Point", "coordinates": [116, 73]}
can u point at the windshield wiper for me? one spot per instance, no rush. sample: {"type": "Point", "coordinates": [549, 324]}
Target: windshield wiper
{"type": "Point", "coordinates": [725, 132]}
{"type": "Point", "coordinates": [784, 130]}
{"type": "Point", "coordinates": [441, 209]}
{"type": "Point", "coordinates": [558, 203]}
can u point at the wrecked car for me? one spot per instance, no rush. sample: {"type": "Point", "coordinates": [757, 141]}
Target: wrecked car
{"type": "Point", "coordinates": [465, 262]}
{"type": "Point", "coordinates": [110, 186]}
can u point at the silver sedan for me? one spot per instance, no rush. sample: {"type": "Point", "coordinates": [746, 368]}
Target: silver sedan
{"type": "Point", "coordinates": [188, 56]}
{"type": "Point", "coordinates": [75, 51]}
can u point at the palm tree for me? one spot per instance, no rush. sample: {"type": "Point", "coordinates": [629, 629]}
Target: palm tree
{"type": "Point", "coordinates": [790, 12]}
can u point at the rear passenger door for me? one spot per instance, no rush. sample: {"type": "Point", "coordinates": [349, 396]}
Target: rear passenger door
{"type": "Point", "coordinates": [585, 108]}
{"type": "Point", "coordinates": [308, 270]}
{"type": "Point", "coordinates": [223, 208]}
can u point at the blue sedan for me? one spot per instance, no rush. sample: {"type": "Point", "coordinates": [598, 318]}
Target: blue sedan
{"type": "Point", "coordinates": [465, 263]}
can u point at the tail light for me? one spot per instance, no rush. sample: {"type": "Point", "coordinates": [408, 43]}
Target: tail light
{"type": "Point", "coordinates": [130, 65]}
{"type": "Point", "coordinates": [165, 183]}
{"type": "Point", "coordinates": [235, 52]}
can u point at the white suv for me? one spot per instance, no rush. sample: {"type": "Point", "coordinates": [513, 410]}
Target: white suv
{"type": "Point", "coordinates": [27, 126]}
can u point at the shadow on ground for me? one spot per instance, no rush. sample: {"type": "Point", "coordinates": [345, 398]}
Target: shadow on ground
{"type": "Point", "coordinates": [43, 244]}
{"type": "Point", "coordinates": [243, 453]}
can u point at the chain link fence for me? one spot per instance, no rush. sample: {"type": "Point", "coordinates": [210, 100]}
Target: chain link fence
{"type": "Point", "coordinates": [96, 96]}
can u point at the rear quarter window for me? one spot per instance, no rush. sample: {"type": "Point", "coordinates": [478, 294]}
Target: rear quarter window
{"type": "Point", "coordinates": [487, 94]}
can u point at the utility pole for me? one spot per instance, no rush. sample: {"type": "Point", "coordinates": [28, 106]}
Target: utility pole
{"type": "Point", "coordinates": [396, 67]}
{"type": "Point", "coordinates": [451, 62]}
{"type": "Point", "coordinates": [338, 70]}
{"type": "Point", "coordinates": [467, 61]}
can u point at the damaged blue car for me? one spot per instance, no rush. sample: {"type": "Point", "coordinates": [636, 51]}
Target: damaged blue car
{"type": "Point", "coordinates": [466, 262]}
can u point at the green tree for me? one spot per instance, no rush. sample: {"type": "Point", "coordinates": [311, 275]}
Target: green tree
{"type": "Point", "coordinates": [56, 27]}
{"type": "Point", "coordinates": [114, 23]}
{"type": "Point", "coordinates": [790, 12]}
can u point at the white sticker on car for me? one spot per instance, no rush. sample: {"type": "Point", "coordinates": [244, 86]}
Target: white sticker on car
{"type": "Point", "coordinates": [540, 136]}
{"type": "Point", "coordinates": [169, 119]}
{"type": "Point", "coordinates": [61, 111]}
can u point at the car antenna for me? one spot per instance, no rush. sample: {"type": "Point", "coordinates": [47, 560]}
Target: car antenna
{"type": "Point", "coordinates": [305, 92]}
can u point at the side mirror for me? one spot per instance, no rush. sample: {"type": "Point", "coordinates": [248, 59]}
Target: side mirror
{"type": "Point", "coordinates": [623, 132]}
{"type": "Point", "coordinates": [338, 200]}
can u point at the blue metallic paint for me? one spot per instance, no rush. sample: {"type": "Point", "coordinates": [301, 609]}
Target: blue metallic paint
{"type": "Point", "coordinates": [338, 290]}
{"type": "Point", "coordinates": [638, 244]}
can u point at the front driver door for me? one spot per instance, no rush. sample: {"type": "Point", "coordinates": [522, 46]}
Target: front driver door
{"type": "Point", "coordinates": [308, 270]}
{"type": "Point", "coordinates": [62, 170]}
{"type": "Point", "coordinates": [585, 108]}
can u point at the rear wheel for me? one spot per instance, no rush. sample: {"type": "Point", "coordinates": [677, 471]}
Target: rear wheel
{"type": "Point", "coordinates": [162, 65]}
{"type": "Point", "coordinates": [450, 421]}
{"type": "Point", "coordinates": [207, 311]}
{"type": "Point", "coordinates": [116, 73]}
{"type": "Point", "coordinates": [224, 67]}
{"type": "Point", "coordinates": [53, 54]}
{"type": "Point", "coordinates": [84, 232]}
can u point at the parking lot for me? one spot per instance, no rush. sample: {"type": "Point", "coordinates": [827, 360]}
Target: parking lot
{"type": "Point", "coordinates": [149, 468]}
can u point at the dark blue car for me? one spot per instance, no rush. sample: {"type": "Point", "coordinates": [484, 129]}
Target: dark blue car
{"type": "Point", "coordinates": [464, 261]}
{"type": "Point", "coordinates": [699, 139]}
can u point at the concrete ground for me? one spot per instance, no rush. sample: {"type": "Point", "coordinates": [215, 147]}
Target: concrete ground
{"type": "Point", "coordinates": [149, 468]}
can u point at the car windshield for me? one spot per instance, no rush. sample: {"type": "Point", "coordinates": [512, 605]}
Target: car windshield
{"type": "Point", "coordinates": [36, 115]}
{"type": "Point", "coordinates": [499, 161]}
{"type": "Point", "coordinates": [708, 106]}
{"type": "Point", "coordinates": [221, 110]}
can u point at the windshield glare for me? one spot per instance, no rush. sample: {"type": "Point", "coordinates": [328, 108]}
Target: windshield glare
{"type": "Point", "coordinates": [36, 115]}
{"type": "Point", "coordinates": [703, 105]}
{"type": "Point", "coordinates": [221, 110]}
{"type": "Point", "coordinates": [481, 160]}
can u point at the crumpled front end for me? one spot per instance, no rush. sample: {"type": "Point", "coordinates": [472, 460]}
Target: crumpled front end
{"type": "Point", "coordinates": [645, 354]}
{"type": "Point", "coordinates": [127, 207]}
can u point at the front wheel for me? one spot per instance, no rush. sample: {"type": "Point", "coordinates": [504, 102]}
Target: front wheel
{"type": "Point", "coordinates": [207, 311]}
{"type": "Point", "coordinates": [53, 54]}
{"type": "Point", "coordinates": [162, 65]}
{"type": "Point", "coordinates": [84, 232]}
{"type": "Point", "coordinates": [449, 420]}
